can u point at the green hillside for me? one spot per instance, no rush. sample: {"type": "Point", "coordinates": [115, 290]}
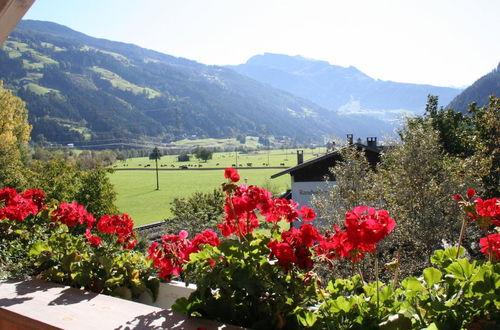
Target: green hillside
{"type": "Point", "coordinates": [78, 88]}
{"type": "Point", "coordinates": [478, 92]}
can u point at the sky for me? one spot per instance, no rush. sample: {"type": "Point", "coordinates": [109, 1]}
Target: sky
{"type": "Point", "coordinates": [438, 42]}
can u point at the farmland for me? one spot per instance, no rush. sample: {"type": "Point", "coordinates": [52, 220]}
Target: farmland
{"type": "Point", "coordinates": [265, 158]}
{"type": "Point", "coordinates": [137, 194]}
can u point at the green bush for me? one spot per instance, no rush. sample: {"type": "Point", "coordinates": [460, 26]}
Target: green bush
{"type": "Point", "coordinates": [196, 213]}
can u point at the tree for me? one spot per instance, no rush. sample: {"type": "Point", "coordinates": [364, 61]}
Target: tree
{"type": "Point", "coordinates": [475, 136]}
{"type": "Point", "coordinates": [196, 213]}
{"type": "Point", "coordinates": [184, 157]}
{"type": "Point", "coordinates": [203, 153]}
{"type": "Point", "coordinates": [14, 137]}
{"type": "Point", "coordinates": [353, 183]}
{"type": "Point", "coordinates": [96, 192]}
{"type": "Point", "coordinates": [62, 181]}
{"type": "Point", "coordinates": [156, 154]}
{"type": "Point", "coordinates": [415, 182]}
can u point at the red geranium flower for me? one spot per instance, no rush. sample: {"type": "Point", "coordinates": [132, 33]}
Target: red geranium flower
{"type": "Point", "coordinates": [93, 240]}
{"type": "Point", "coordinates": [487, 212]}
{"type": "Point", "coordinates": [72, 214]}
{"type": "Point", "coordinates": [232, 174]}
{"type": "Point", "coordinates": [17, 207]}
{"type": "Point", "coordinates": [174, 251]}
{"type": "Point", "coordinates": [120, 225]}
{"type": "Point", "coordinates": [470, 193]}
{"type": "Point", "coordinates": [491, 244]}
{"type": "Point", "coordinates": [307, 213]}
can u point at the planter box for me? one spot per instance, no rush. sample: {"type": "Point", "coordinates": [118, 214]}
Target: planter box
{"type": "Point", "coordinates": [168, 294]}
{"type": "Point", "coordinates": [36, 304]}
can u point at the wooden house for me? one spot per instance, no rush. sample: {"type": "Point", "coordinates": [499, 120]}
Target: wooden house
{"type": "Point", "coordinates": [313, 176]}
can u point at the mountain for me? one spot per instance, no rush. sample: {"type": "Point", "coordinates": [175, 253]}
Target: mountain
{"type": "Point", "coordinates": [78, 88]}
{"type": "Point", "coordinates": [478, 92]}
{"type": "Point", "coordinates": [347, 90]}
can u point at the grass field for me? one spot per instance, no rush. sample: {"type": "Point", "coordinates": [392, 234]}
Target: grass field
{"type": "Point", "coordinates": [137, 194]}
{"type": "Point", "coordinates": [282, 157]}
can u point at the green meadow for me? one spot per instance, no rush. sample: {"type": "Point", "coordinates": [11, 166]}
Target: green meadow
{"type": "Point", "coordinates": [137, 194]}
{"type": "Point", "coordinates": [275, 158]}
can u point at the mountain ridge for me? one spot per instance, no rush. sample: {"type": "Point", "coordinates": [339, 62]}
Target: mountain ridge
{"type": "Point", "coordinates": [334, 87]}
{"type": "Point", "coordinates": [478, 92]}
{"type": "Point", "coordinates": [78, 87]}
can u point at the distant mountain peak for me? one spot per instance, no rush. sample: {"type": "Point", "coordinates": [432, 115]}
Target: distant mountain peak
{"type": "Point", "coordinates": [82, 89]}
{"type": "Point", "coordinates": [333, 86]}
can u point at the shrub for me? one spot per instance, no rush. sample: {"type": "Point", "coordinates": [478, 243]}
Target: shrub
{"type": "Point", "coordinates": [414, 182]}
{"type": "Point", "coordinates": [195, 213]}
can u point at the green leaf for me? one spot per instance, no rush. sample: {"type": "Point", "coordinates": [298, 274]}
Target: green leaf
{"type": "Point", "coordinates": [307, 318]}
{"type": "Point", "coordinates": [340, 304]}
{"type": "Point", "coordinates": [442, 258]}
{"type": "Point", "coordinates": [432, 276]}
{"type": "Point", "coordinates": [452, 252]}
{"type": "Point", "coordinates": [412, 284]}
{"type": "Point", "coordinates": [385, 293]}
{"type": "Point", "coordinates": [432, 326]}
{"type": "Point", "coordinates": [331, 288]}
{"type": "Point", "coordinates": [39, 247]}
{"type": "Point", "coordinates": [114, 280]}
{"type": "Point", "coordinates": [181, 305]}
{"type": "Point", "coordinates": [461, 269]}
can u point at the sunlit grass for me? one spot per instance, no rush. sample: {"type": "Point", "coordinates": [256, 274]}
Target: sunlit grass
{"type": "Point", "coordinates": [137, 194]}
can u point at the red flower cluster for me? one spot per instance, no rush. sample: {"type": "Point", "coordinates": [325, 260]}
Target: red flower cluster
{"type": "Point", "coordinates": [231, 174]}
{"type": "Point", "coordinates": [19, 206]}
{"type": "Point", "coordinates": [174, 251]}
{"type": "Point", "coordinates": [93, 240]}
{"type": "Point", "coordinates": [72, 214]}
{"type": "Point", "coordinates": [484, 212]}
{"type": "Point", "coordinates": [294, 247]}
{"type": "Point", "coordinates": [491, 244]}
{"type": "Point", "coordinates": [487, 212]}
{"type": "Point", "coordinates": [243, 203]}
{"type": "Point", "coordinates": [121, 225]}
{"type": "Point", "coordinates": [364, 228]}
{"type": "Point", "coordinates": [470, 193]}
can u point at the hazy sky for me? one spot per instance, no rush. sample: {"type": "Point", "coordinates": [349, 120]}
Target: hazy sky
{"type": "Point", "coordinates": [440, 42]}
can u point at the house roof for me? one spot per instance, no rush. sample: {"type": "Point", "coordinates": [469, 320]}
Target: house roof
{"type": "Point", "coordinates": [335, 153]}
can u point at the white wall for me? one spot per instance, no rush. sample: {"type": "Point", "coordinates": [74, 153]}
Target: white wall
{"type": "Point", "coordinates": [302, 192]}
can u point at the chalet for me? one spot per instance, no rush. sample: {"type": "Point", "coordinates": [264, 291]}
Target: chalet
{"type": "Point", "coordinates": [308, 178]}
